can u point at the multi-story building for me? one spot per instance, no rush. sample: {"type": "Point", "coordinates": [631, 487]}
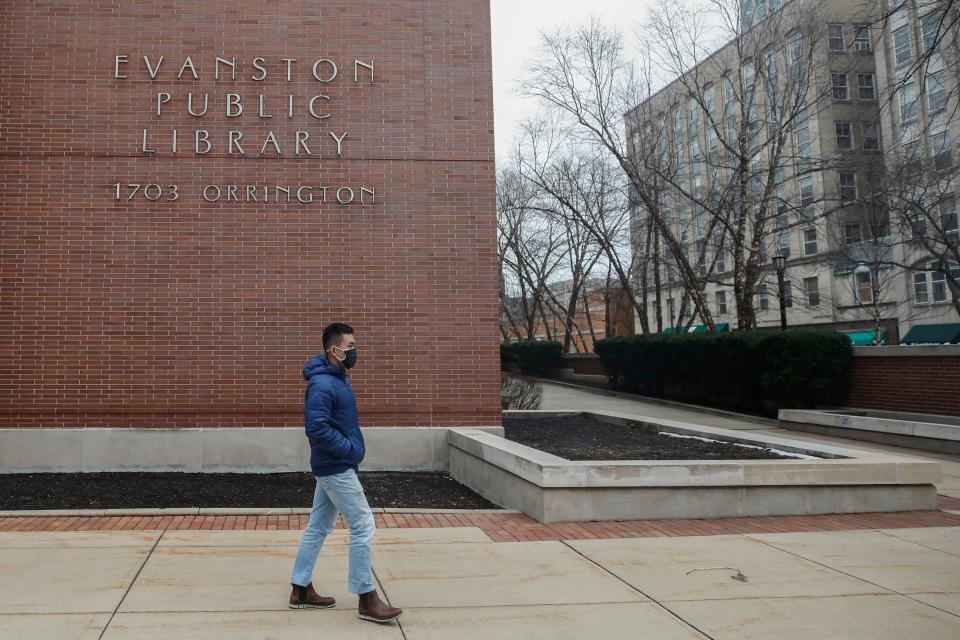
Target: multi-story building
{"type": "Point", "coordinates": [789, 140]}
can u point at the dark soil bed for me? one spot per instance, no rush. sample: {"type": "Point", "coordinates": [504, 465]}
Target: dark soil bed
{"type": "Point", "coordinates": [583, 438]}
{"type": "Point", "coordinates": [159, 490]}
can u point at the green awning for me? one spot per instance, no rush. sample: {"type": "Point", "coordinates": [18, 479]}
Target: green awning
{"type": "Point", "coordinates": [865, 338]}
{"type": "Point", "coordinates": [699, 328]}
{"type": "Point", "coordinates": [948, 333]}
{"type": "Point", "coordinates": [702, 328]}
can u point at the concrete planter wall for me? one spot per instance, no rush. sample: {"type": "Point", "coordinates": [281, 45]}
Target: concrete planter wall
{"type": "Point", "coordinates": [210, 450]}
{"type": "Point", "coordinates": [552, 489]}
{"type": "Point", "coordinates": [940, 434]}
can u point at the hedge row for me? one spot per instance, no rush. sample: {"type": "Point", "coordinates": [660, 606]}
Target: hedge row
{"type": "Point", "coordinates": [531, 357]}
{"type": "Point", "coordinates": [754, 371]}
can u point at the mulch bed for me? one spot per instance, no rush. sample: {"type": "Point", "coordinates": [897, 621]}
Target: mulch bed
{"type": "Point", "coordinates": [236, 490]}
{"type": "Point", "coordinates": [583, 438]}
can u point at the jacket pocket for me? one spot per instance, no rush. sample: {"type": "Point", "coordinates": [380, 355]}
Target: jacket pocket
{"type": "Point", "coordinates": [358, 451]}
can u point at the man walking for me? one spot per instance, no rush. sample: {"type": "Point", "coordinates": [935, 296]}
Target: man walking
{"type": "Point", "coordinates": [336, 450]}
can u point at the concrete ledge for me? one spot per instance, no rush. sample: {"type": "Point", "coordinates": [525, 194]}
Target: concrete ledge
{"type": "Point", "coordinates": [913, 350]}
{"type": "Point", "coordinates": [931, 418]}
{"type": "Point", "coordinates": [572, 376]}
{"type": "Point", "coordinates": [903, 431]}
{"type": "Point", "coordinates": [552, 489]}
{"type": "Point", "coordinates": [247, 450]}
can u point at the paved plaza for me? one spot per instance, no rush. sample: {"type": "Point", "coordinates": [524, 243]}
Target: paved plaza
{"type": "Point", "coordinates": [212, 574]}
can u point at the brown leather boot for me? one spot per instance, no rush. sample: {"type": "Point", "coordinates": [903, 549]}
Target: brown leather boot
{"type": "Point", "coordinates": [372, 608]}
{"type": "Point", "coordinates": [307, 598]}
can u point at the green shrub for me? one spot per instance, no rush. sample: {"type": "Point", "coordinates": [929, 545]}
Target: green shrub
{"type": "Point", "coordinates": [743, 370]}
{"type": "Point", "coordinates": [531, 357]}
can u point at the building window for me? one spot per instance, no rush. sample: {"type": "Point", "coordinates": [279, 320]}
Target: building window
{"type": "Point", "coordinates": [948, 219]}
{"type": "Point", "coordinates": [804, 144]}
{"type": "Point", "coordinates": [713, 142]}
{"type": "Point", "coordinates": [930, 285]}
{"type": "Point", "coordinates": [749, 74]}
{"type": "Point", "coordinates": [908, 103]}
{"type": "Point", "coordinates": [844, 131]}
{"type": "Point", "coordinates": [671, 309]}
{"type": "Point", "coordinates": [764, 298]}
{"type": "Point", "coordinates": [722, 303]}
{"type": "Point", "coordinates": [838, 83]}
{"type": "Point", "coordinates": [861, 38]}
{"type": "Point", "coordinates": [763, 251]}
{"type": "Point", "coordinates": [852, 233]}
{"type": "Point", "coordinates": [781, 205]}
{"type": "Point", "coordinates": [783, 245]}
{"type": "Point", "coordinates": [810, 241]}
{"type": "Point", "coordinates": [942, 151]}
{"type": "Point", "coordinates": [729, 96]}
{"type": "Point", "coordinates": [693, 117]}
{"type": "Point", "coordinates": [795, 55]}
{"type": "Point", "coordinates": [870, 136]}
{"type": "Point", "coordinates": [912, 158]}
{"type": "Point", "coordinates": [902, 46]}
{"type": "Point", "coordinates": [787, 294]}
{"type": "Point", "coordinates": [812, 288]}
{"type": "Point", "coordinates": [806, 191]}
{"type": "Point", "coordinates": [866, 86]}
{"type": "Point", "coordinates": [848, 187]}
{"type": "Point", "coordinates": [936, 92]}
{"type": "Point", "coordinates": [921, 290]}
{"type": "Point", "coordinates": [710, 99]}
{"type": "Point", "coordinates": [930, 26]}
{"type": "Point", "coordinates": [835, 37]}
{"type": "Point", "coordinates": [863, 289]}
{"type": "Point", "coordinates": [720, 251]}
{"type": "Point", "coordinates": [938, 281]}
{"type": "Point", "coordinates": [918, 224]}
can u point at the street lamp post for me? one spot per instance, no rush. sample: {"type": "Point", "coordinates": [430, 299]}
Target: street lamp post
{"type": "Point", "coordinates": [780, 264]}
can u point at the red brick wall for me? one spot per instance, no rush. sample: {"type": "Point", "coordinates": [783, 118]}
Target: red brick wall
{"type": "Point", "coordinates": [189, 313]}
{"type": "Point", "coordinates": [584, 364]}
{"type": "Point", "coordinates": [916, 384]}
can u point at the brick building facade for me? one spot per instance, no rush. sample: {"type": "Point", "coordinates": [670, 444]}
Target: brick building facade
{"type": "Point", "coordinates": [332, 162]}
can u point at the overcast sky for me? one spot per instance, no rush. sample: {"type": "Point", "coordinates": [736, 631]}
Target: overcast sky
{"type": "Point", "coordinates": [517, 25]}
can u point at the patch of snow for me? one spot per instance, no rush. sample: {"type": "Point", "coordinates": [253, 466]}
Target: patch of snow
{"type": "Point", "coordinates": [789, 454]}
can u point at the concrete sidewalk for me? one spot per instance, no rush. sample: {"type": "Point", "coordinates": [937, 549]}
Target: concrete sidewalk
{"type": "Point", "coordinates": [458, 584]}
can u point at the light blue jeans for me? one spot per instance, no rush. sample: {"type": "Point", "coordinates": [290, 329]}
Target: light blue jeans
{"type": "Point", "coordinates": [339, 493]}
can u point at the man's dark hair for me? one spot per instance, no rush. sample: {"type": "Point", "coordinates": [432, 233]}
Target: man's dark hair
{"type": "Point", "coordinates": [334, 332]}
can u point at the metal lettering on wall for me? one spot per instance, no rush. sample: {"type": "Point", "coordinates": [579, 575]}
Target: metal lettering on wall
{"type": "Point", "coordinates": [313, 111]}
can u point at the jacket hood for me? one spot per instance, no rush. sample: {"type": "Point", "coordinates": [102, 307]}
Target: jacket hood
{"type": "Point", "coordinates": [318, 365]}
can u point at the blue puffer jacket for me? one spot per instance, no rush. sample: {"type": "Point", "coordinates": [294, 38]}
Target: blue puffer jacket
{"type": "Point", "coordinates": [330, 419]}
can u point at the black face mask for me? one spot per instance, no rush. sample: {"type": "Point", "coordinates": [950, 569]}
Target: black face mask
{"type": "Point", "coordinates": [350, 358]}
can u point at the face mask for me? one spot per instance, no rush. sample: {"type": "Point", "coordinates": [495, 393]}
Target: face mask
{"type": "Point", "coordinates": [350, 357]}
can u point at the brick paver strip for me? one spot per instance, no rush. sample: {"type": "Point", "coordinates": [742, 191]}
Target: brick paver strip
{"type": "Point", "coordinates": [506, 527]}
{"type": "Point", "coordinates": [946, 502]}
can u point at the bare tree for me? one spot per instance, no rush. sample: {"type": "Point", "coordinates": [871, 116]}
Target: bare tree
{"type": "Point", "coordinates": [530, 250]}
{"type": "Point", "coordinates": [918, 195]}
{"type": "Point", "coordinates": [582, 187]}
{"type": "Point", "coordinates": [709, 165]}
